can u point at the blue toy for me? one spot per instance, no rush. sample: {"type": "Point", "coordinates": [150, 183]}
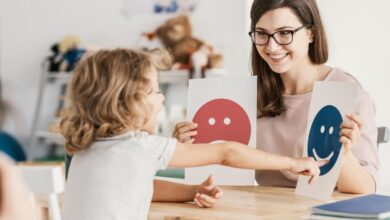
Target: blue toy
{"type": "Point", "coordinates": [72, 53]}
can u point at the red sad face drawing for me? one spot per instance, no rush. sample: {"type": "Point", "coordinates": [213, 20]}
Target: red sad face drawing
{"type": "Point", "coordinates": [222, 120]}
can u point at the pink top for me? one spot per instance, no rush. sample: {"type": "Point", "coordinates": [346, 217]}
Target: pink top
{"type": "Point", "coordinates": [285, 134]}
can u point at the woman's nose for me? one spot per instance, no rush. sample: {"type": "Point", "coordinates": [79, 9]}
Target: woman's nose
{"type": "Point", "coordinates": [272, 45]}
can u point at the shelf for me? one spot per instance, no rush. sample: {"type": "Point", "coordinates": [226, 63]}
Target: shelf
{"type": "Point", "coordinates": [182, 76]}
{"type": "Point", "coordinates": [58, 75]}
{"type": "Point", "coordinates": [169, 76]}
{"type": "Point", "coordinates": [50, 137]}
{"type": "Point", "coordinates": [173, 76]}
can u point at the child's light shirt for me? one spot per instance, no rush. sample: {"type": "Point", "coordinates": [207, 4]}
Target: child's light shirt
{"type": "Point", "coordinates": [113, 178]}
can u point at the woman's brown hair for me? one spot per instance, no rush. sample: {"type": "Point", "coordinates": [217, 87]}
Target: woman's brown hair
{"type": "Point", "coordinates": [107, 95]}
{"type": "Point", "coordinates": [270, 87]}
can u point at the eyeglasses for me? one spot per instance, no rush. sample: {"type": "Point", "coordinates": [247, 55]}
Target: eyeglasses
{"type": "Point", "coordinates": [283, 37]}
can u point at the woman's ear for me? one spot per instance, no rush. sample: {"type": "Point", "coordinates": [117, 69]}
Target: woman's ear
{"type": "Point", "coordinates": [311, 35]}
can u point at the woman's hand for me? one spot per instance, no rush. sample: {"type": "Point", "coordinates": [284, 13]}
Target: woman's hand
{"type": "Point", "coordinates": [350, 131]}
{"type": "Point", "coordinates": [307, 166]}
{"type": "Point", "coordinates": [207, 193]}
{"type": "Point", "coordinates": [184, 132]}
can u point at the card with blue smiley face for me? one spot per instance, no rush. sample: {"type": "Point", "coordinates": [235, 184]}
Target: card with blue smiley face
{"type": "Point", "coordinates": [330, 101]}
{"type": "Point", "coordinates": [323, 142]}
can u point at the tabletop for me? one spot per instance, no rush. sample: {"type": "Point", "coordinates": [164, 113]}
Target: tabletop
{"type": "Point", "coordinates": [245, 202]}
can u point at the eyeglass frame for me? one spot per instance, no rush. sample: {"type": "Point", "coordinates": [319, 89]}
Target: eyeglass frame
{"type": "Point", "coordinates": [292, 32]}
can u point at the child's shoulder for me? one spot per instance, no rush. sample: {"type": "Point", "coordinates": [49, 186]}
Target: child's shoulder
{"type": "Point", "coordinates": [157, 139]}
{"type": "Point", "coordinates": [140, 138]}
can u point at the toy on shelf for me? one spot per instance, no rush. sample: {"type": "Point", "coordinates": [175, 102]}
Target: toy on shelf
{"type": "Point", "coordinates": [55, 59]}
{"type": "Point", "coordinates": [72, 53]}
{"type": "Point", "coordinates": [65, 54]}
{"type": "Point", "coordinates": [188, 51]}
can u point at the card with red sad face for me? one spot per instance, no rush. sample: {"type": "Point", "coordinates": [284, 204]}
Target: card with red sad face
{"type": "Point", "coordinates": [225, 110]}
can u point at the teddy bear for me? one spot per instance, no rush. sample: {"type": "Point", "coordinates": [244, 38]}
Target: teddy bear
{"type": "Point", "coordinates": [188, 52]}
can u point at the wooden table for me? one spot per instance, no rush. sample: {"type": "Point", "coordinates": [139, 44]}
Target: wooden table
{"type": "Point", "coordinates": [244, 203]}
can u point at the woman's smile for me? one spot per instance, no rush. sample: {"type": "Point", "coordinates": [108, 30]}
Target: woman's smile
{"type": "Point", "coordinates": [277, 58]}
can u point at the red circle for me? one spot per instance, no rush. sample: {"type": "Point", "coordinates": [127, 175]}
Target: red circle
{"type": "Point", "coordinates": [231, 123]}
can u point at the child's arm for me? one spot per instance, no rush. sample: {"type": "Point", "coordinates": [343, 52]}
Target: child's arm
{"type": "Point", "coordinates": [204, 195]}
{"type": "Point", "coordinates": [241, 156]}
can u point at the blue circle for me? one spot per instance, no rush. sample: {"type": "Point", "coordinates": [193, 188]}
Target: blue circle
{"type": "Point", "coordinates": [324, 137]}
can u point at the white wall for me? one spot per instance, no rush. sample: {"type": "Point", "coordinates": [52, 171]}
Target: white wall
{"type": "Point", "coordinates": [28, 28]}
{"type": "Point", "coordinates": [358, 32]}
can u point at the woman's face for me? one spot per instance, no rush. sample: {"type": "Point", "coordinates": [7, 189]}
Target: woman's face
{"type": "Point", "coordinates": [284, 58]}
{"type": "Point", "coordinates": [155, 99]}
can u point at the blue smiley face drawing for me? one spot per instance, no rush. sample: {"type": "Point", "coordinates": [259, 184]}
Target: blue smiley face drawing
{"type": "Point", "coordinates": [323, 142]}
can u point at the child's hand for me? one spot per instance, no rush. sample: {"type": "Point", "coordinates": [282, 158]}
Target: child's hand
{"type": "Point", "coordinates": [350, 131]}
{"type": "Point", "coordinates": [184, 131]}
{"type": "Point", "coordinates": [207, 194]}
{"type": "Point", "coordinates": [307, 166]}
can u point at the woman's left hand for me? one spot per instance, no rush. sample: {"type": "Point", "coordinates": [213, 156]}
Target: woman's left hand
{"type": "Point", "coordinates": [350, 131]}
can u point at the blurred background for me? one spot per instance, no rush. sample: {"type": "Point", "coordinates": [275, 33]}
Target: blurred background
{"type": "Point", "coordinates": [40, 40]}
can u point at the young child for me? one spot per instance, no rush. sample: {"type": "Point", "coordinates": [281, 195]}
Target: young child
{"type": "Point", "coordinates": [109, 128]}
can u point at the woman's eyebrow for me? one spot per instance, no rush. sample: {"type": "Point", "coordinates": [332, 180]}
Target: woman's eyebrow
{"type": "Point", "coordinates": [277, 29]}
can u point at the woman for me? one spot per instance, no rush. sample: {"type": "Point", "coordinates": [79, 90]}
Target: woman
{"type": "Point", "coordinates": [288, 54]}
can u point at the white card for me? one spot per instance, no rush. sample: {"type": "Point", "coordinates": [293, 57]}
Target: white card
{"type": "Point", "coordinates": [225, 110]}
{"type": "Point", "coordinates": [329, 103]}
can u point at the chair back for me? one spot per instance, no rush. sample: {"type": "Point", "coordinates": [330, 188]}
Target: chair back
{"type": "Point", "coordinates": [383, 135]}
{"type": "Point", "coordinates": [45, 182]}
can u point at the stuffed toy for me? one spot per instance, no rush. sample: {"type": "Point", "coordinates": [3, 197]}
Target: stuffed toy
{"type": "Point", "coordinates": [188, 52]}
{"type": "Point", "coordinates": [55, 59]}
{"type": "Point", "coordinates": [174, 6]}
{"type": "Point", "coordinates": [65, 54]}
{"type": "Point", "coordinates": [167, 7]}
{"type": "Point", "coordinates": [72, 53]}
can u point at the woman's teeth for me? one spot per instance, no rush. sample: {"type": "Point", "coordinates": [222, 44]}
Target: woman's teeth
{"type": "Point", "coordinates": [278, 56]}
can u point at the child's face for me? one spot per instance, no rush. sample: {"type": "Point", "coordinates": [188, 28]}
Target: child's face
{"type": "Point", "coordinates": [155, 99]}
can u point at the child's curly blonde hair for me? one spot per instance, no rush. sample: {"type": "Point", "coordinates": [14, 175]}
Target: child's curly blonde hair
{"type": "Point", "coordinates": [107, 95]}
